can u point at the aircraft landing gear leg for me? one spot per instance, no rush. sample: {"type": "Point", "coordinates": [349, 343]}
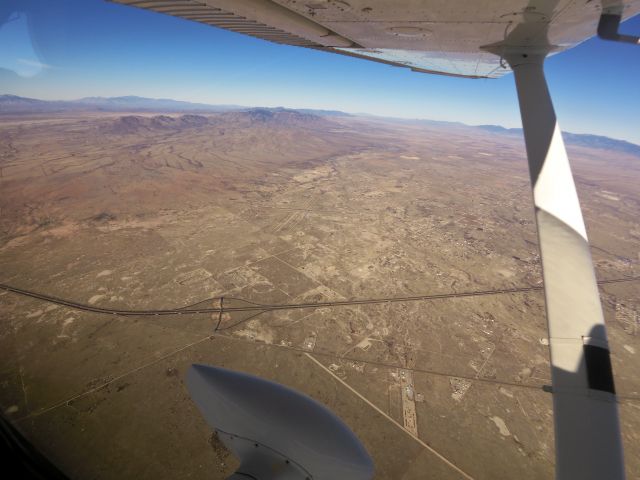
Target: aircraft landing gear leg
{"type": "Point", "coordinates": [587, 429]}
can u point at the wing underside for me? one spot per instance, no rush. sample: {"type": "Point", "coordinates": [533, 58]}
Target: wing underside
{"type": "Point", "coordinates": [448, 37]}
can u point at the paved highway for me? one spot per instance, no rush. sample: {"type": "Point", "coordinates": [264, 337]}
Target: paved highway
{"type": "Point", "coordinates": [256, 307]}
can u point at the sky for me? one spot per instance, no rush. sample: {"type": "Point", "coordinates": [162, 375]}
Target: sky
{"type": "Point", "coordinates": [68, 49]}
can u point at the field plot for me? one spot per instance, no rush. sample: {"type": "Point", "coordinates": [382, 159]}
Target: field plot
{"type": "Point", "coordinates": [389, 226]}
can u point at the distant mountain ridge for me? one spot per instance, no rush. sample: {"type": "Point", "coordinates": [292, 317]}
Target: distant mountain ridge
{"type": "Point", "coordinates": [577, 139]}
{"type": "Point", "coordinates": [13, 104]}
{"type": "Point", "coordinates": [133, 102]}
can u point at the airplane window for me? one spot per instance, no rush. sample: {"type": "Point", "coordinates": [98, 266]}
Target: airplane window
{"type": "Point", "coordinates": [326, 208]}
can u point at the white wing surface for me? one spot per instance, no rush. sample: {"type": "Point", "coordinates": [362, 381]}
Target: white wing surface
{"type": "Point", "coordinates": [445, 37]}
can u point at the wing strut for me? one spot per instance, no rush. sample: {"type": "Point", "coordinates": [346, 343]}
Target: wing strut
{"type": "Point", "coordinates": [587, 428]}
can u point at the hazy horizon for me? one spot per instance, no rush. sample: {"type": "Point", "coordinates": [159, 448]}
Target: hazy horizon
{"type": "Point", "coordinates": [240, 106]}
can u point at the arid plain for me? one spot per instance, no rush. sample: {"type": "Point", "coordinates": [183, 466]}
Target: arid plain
{"type": "Point", "coordinates": [144, 212]}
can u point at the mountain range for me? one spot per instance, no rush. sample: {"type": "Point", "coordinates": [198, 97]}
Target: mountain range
{"type": "Point", "coordinates": [13, 104]}
{"type": "Point", "coordinates": [577, 139]}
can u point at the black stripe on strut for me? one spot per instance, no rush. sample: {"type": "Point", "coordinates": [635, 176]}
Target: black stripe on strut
{"type": "Point", "coordinates": [599, 371]}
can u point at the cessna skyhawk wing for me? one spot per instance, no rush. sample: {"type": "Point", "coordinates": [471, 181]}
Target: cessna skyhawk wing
{"type": "Point", "coordinates": [475, 39]}
{"type": "Point", "coordinates": [446, 37]}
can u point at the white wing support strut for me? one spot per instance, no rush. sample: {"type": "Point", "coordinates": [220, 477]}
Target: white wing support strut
{"type": "Point", "coordinates": [587, 428]}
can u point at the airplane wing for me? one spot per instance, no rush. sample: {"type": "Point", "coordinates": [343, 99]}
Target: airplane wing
{"type": "Point", "coordinates": [447, 37]}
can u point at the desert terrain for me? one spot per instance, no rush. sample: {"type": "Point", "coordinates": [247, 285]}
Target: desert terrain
{"type": "Point", "coordinates": [147, 211]}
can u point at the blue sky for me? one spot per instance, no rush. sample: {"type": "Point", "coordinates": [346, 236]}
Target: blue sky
{"type": "Point", "coordinates": [94, 48]}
